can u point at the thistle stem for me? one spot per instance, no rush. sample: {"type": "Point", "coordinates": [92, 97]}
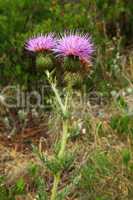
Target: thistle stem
{"type": "Point", "coordinates": [60, 156]}
{"type": "Point", "coordinates": [55, 186]}
{"type": "Point", "coordinates": [64, 137]}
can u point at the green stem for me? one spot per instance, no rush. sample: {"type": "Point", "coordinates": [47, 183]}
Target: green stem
{"type": "Point", "coordinates": [64, 139]}
{"type": "Point", "coordinates": [60, 156]}
{"type": "Point", "coordinates": [55, 186]}
{"type": "Point", "coordinates": [58, 98]}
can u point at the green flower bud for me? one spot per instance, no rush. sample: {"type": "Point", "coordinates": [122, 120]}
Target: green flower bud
{"type": "Point", "coordinates": [73, 79]}
{"type": "Point", "coordinates": [71, 64]}
{"type": "Point", "coordinates": [44, 62]}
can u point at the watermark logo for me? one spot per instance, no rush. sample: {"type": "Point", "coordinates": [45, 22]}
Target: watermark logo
{"type": "Point", "coordinates": [16, 97]}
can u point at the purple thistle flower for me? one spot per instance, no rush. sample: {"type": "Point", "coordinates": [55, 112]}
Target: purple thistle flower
{"type": "Point", "coordinates": [77, 45]}
{"type": "Point", "coordinates": [41, 43]}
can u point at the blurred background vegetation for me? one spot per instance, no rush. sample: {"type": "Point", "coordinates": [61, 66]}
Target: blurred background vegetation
{"type": "Point", "coordinates": [110, 23]}
{"type": "Point", "coordinates": [102, 133]}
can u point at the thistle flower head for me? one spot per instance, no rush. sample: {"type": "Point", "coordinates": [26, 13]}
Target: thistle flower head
{"type": "Point", "coordinates": [41, 43]}
{"type": "Point", "coordinates": [77, 45]}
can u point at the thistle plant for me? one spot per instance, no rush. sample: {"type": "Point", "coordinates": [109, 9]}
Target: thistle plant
{"type": "Point", "coordinates": [74, 51]}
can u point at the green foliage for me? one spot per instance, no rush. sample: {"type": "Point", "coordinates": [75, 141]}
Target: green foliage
{"type": "Point", "coordinates": [126, 156]}
{"type": "Point", "coordinates": [9, 193]}
{"type": "Point", "coordinates": [20, 186]}
{"type": "Point", "coordinates": [63, 194]}
{"type": "Point", "coordinates": [33, 169]}
{"type": "Point", "coordinates": [39, 182]}
{"type": "Point", "coordinates": [122, 124]}
{"type": "Point", "coordinates": [3, 191]}
{"type": "Point", "coordinates": [56, 164]}
{"type": "Point", "coordinates": [21, 19]}
{"type": "Point", "coordinates": [121, 103]}
{"type": "Point", "coordinates": [74, 132]}
{"type": "Point", "coordinates": [97, 168]}
{"type": "Point", "coordinates": [41, 192]}
{"type": "Point", "coordinates": [97, 164]}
